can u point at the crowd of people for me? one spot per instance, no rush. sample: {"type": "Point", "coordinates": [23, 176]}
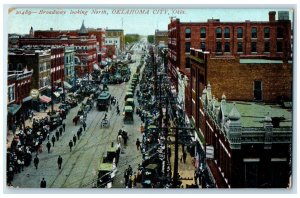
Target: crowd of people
{"type": "Point", "coordinates": [28, 141]}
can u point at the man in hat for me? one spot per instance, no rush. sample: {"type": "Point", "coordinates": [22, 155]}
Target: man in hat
{"type": "Point", "coordinates": [43, 183]}
{"type": "Point", "coordinates": [48, 146]}
{"type": "Point", "coordinates": [59, 161]}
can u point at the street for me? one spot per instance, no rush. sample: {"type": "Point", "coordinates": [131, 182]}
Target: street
{"type": "Point", "coordinates": [79, 167]}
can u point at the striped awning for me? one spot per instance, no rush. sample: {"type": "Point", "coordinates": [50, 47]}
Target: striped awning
{"type": "Point", "coordinates": [45, 99]}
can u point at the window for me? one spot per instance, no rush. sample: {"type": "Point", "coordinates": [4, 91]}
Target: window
{"type": "Point", "coordinates": [218, 33]}
{"type": "Point", "coordinates": [253, 47]}
{"type": "Point", "coordinates": [187, 46]}
{"type": "Point", "coordinates": [279, 46]}
{"type": "Point", "coordinates": [218, 47]}
{"type": "Point", "coordinates": [257, 90]}
{"type": "Point", "coordinates": [251, 174]}
{"type": "Point", "coordinates": [202, 46]}
{"type": "Point", "coordinates": [267, 46]}
{"type": "Point", "coordinates": [11, 93]}
{"type": "Point", "coordinates": [227, 47]}
{"type": "Point", "coordinates": [240, 32]}
{"type": "Point", "coordinates": [203, 33]}
{"type": "Point", "coordinates": [187, 63]}
{"type": "Point", "coordinates": [227, 33]}
{"type": "Point", "coordinates": [240, 47]}
{"type": "Point", "coordinates": [266, 32]}
{"type": "Point", "coordinates": [188, 33]}
{"type": "Point", "coordinates": [254, 32]}
{"type": "Point", "coordinates": [279, 32]}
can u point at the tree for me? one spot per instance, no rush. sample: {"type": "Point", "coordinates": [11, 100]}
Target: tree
{"type": "Point", "coordinates": [150, 38]}
{"type": "Point", "coordinates": [131, 38]}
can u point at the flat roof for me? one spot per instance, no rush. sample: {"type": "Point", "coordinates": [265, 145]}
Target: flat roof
{"type": "Point", "coordinates": [260, 61]}
{"type": "Point", "coordinates": [253, 114]}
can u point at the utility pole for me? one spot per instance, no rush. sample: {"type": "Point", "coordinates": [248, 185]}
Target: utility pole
{"type": "Point", "coordinates": [175, 172]}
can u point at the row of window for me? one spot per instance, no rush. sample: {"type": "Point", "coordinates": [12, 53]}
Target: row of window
{"type": "Point", "coordinates": [240, 32]}
{"type": "Point", "coordinates": [218, 48]}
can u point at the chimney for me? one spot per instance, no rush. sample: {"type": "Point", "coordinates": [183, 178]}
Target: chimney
{"type": "Point", "coordinates": [272, 16]}
{"type": "Point", "coordinates": [51, 29]}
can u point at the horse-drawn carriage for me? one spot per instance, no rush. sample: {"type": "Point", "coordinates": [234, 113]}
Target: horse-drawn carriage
{"type": "Point", "coordinates": [104, 123]}
{"type": "Point", "coordinates": [103, 101]}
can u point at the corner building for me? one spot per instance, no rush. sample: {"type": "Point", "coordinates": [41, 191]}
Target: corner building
{"type": "Point", "coordinates": [250, 39]}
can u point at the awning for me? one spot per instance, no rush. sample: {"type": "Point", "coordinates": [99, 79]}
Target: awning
{"type": "Point", "coordinates": [96, 66]}
{"type": "Point", "coordinates": [67, 85]}
{"type": "Point", "coordinates": [45, 99]}
{"type": "Point", "coordinates": [28, 98]}
{"type": "Point", "coordinates": [13, 108]}
{"type": "Point", "coordinates": [56, 94]}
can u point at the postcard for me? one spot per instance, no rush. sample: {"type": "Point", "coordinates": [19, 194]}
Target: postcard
{"type": "Point", "coordinates": [138, 97]}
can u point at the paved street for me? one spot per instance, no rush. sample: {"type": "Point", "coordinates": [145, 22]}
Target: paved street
{"type": "Point", "coordinates": [79, 167]}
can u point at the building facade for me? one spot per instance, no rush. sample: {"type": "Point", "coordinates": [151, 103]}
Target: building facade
{"type": "Point", "coordinates": [117, 34]}
{"type": "Point", "coordinates": [37, 60]}
{"type": "Point", "coordinates": [98, 34]}
{"type": "Point", "coordinates": [256, 80]}
{"type": "Point", "coordinates": [85, 49]}
{"type": "Point", "coordinates": [249, 143]}
{"type": "Point", "coordinates": [161, 38]}
{"type": "Point", "coordinates": [264, 39]}
{"type": "Point", "coordinates": [69, 64]}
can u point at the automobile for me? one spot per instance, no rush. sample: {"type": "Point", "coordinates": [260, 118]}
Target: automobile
{"type": "Point", "coordinates": [65, 106]}
{"type": "Point", "coordinates": [60, 90]}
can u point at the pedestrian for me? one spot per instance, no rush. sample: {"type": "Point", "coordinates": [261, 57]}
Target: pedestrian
{"type": "Point", "coordinates": [138, 144]}
{"type": "Point", "coordinates": [125, 137]}
{"type": "Point", "coordinates": [48, 146]}
{"type": "Point", "coordinates": [84, 125]}
{"type": "Point", "coordinates": [36, 162]}
{"type": "Point", "coordinates": [64, 126]}
{"type": "Point", "coordinates": [126, 177]}
{"type": "Point", "coordinates": [74, 139]}
{"type": "Point", "coordinates": [184, 156]}
{"type": "Point", "coordinates": [78, 134]}
{"type": "Point", "coordinates": [70, 145]}
{"type": "Point", "coordinates": [60, 131]}
{"type": "Point", "coordinates": [59, 162]}
{"type": "Point", "coordinates": [53, 140]}
{"type": "Point", "coordinates": [43, 183]}
{"type": "Point", "coordinates": [129, 169]}
{"type": "Point", "coordinates": [57, 135]}
{"type": "Point", "coordinates": [142, 128]}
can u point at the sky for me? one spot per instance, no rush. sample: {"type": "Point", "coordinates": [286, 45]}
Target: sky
{"type": "Point", "coordinates": [20, 20]}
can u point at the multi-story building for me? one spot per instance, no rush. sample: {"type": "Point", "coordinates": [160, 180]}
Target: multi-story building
{"type": "Point", "coordinates": [264, 39]}
{"type": "Point", "coordinates": [243, 79]}
{"type": "Point", "coordinates": [57, 67]}
{"type": "Point", "coordinates": [98, 34]}
{"type": "Point", "coordinates": [37, 60]}
{"type": "Point", "coordinates": [18, 93]}
{"type": "Point", "coordinates": [117, 34]}
{"type": "Point", "coordinates": [247, 144]}
{"type": "Point", "coordinates": [161, 38]}
{"type": "Point", "coordinates": [85, 49]}
{"type": "Point", "coordinates": [69, 65]}
{"type": "Point", "coordinates": [113, 42]}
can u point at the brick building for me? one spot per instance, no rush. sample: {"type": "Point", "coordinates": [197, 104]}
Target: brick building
{"type": "Point", "coordinates": [161, 38]}
{"type": "Point", "coordinates": [98, 34]}
{"type": "Point", "coordinates": [264, 39]}
{"type": "Point", "coordinates": [35, 59]}
{"type": "Point", "coordinates": [257, 80]}
{"type": "Point", "coordinates": [249, 143]}
{"type": "Point", "coordinates": [18, 94]}
{"type": "Point", "coordinates": [116, 35]}
{"type": "Point", "coordinates": [85, 49]}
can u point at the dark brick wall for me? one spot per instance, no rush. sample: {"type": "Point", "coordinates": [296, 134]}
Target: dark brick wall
{"type": "Point", "coordinates": [236, 80]}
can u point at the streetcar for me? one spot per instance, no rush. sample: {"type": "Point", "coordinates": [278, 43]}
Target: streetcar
{"type": "Point", "coordinates": [103, 101]}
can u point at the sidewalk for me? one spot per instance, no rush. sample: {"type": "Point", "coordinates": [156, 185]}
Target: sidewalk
{"type": "Point", "coordinates": [185, 170]}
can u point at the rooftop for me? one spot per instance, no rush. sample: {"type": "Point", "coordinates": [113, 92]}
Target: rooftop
{"type": "Point", "coordinates": [252, 114]}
